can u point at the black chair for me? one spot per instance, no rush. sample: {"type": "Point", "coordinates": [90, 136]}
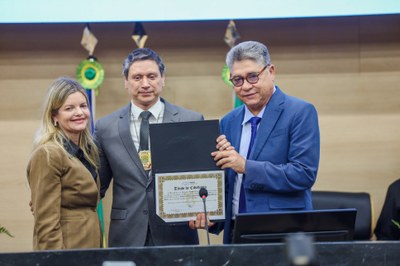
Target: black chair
{"type": "Point", "coordinates": [342, 200]}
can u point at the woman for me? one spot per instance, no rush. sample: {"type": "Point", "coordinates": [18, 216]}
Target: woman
{"type": "Point", "coordinates": [62, 172]}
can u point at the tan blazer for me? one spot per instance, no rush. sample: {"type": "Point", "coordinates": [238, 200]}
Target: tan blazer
{"type": "Point", "coordinates": [64, 197]}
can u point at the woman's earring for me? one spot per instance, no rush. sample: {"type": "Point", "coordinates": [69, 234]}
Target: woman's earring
{"type": "Point", "coordinates": [55, 123]}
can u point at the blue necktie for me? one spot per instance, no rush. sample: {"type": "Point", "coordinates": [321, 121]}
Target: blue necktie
{"type": "Point", "coordinates": [242, 197]}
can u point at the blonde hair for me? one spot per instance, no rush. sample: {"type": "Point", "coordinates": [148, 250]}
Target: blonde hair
{"type": "Point", "coordinates": [57, 94]}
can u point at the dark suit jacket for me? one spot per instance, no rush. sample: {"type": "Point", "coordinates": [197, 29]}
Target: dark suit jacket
{"type": "Point", "coordinates": [133, 204]}
{"type": "Point", "coordinates": [64, 197]}
{"type": "Point", "coordinates": [283, 164]}
{"type": "Point", "coordinates": [385, 228]}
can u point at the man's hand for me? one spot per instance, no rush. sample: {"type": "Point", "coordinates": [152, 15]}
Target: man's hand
{"type": "Point", "coordinates": [200, 222]}
{"type": "Point", "coordinates": [227, 157]}
{"type": "Point", "coordinates": [223, 144]}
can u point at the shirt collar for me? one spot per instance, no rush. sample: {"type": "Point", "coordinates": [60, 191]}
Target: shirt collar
{"type": "Point", "coordinates": [72, 148]}
{"type": "Point", "coordinates": [155, 110]}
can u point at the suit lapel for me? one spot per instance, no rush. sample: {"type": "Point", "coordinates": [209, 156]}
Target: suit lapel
{"type": "Point", "coordinates": [271, 115]}
{"type": "Point", "coordinates": [170, 112]}
{"type": "Point", "coordinates": [236, 128]}
{"type": "Point", "coordinates": [126, 137]}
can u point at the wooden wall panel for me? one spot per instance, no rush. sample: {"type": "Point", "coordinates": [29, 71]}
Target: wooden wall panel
{"type": "Point", "coordinates": [348, 67]}
{"type": "Point", "coordinates": [359, 153]}
{"type": "Point", "coordinates": [346, 93]}
{"type": "Point", "coordinates": [16, 143]}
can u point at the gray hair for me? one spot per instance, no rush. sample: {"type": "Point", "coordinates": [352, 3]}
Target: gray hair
{"type": "Point", "coordinates": [140, 55]}
{"type": "Point", "coordinates": [250, 50]}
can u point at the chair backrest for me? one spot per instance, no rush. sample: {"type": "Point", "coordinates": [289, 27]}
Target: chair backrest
{"type": "Point", "coordinates": [340, 200]}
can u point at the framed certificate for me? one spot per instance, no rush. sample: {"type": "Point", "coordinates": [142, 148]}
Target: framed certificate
{"type": "Point", "coordinates": [177, 195]}
{"type": "Point", "coordinates": [181, 165]}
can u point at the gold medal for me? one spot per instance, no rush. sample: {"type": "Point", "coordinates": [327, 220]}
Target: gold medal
{"type": "Point", "coordinates": [145, 158]}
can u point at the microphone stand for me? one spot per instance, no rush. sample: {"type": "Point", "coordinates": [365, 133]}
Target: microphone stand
{"type": "Point", "coordinates": [205, 214]}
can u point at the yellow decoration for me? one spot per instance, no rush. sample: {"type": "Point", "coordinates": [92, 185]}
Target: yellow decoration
{"type": "Point", "coordinates": [90, 73]}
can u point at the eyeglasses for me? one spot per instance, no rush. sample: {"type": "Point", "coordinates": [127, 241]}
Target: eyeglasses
{"type": "Point", "coordinates": [251, 78]}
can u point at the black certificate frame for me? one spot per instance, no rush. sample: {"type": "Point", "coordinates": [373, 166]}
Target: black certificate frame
{"type": "Point", "coordinates": [183, 146]}
{"type": "Point", "coordinates": [181, 155]}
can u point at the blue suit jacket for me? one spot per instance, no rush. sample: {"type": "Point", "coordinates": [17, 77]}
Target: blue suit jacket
{"type": "Point", "coordinates": [283, 164]}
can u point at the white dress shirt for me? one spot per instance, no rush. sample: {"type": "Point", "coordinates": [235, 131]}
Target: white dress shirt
{"type": "Point", "coordinates": [157, 115]}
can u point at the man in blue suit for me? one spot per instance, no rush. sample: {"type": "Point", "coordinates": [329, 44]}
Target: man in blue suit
{"type": "Point", "coordinates": [281, 167]}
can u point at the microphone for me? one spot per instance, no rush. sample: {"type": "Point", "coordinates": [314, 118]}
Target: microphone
{"type": "Point", "coordinates": [300, 250]}
{"type": "Point", "coordinates": [203, 193]}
